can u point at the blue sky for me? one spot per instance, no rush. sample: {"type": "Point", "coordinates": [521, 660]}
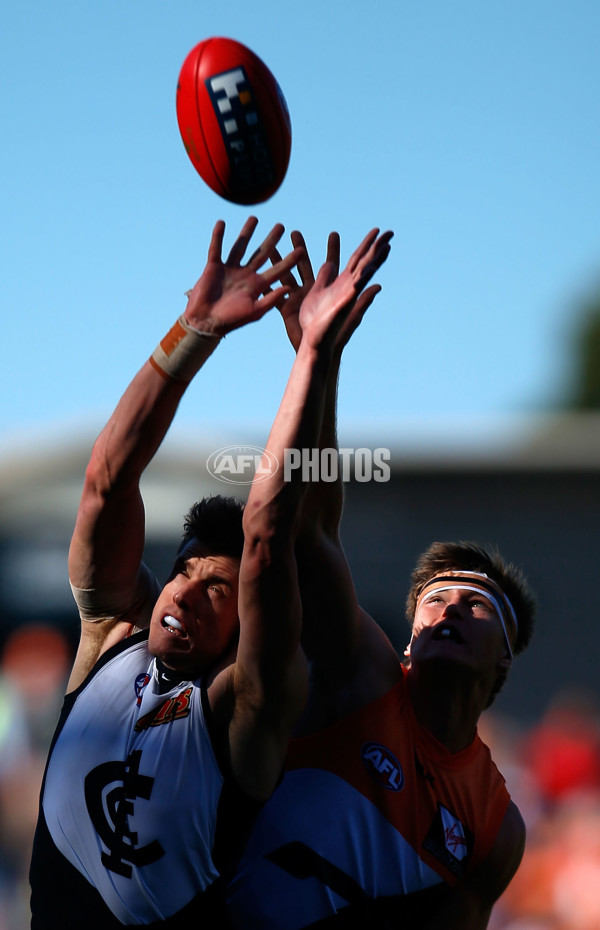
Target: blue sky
{"type": "Point", "coordinates": [470, 128]}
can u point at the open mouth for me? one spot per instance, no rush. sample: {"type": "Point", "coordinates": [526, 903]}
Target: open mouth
{"type": "Point", "coordinates": [172, 625]}
{"type": "Point", "coordinates": [447, 633]}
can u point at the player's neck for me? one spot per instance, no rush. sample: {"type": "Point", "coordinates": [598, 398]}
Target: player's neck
{"type": "Point", "coordinates": [167, 678]}
{"type": "Point", "coordinates": [449, 712]}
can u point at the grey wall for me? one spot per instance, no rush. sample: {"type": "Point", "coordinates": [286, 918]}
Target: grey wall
{"type": "Point", "coordinates": [549, 523]}
{"type": "Point", "coordinates": [545, 519]}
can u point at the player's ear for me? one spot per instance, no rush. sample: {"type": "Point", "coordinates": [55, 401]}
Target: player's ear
{"type": "Point", "coordinates": [505, 662]}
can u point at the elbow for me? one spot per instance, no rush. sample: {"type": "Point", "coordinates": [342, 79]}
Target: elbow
{"type": "Point", "coordinates": [97, 480]}
{"type": "Point", "coordinates": [268, 540]}
{"type": "Point", "coordinates": [117, 462]}
{"type": "Point", "coordinates": [270, 523]}
{"type": "Point", "coordinates": [104, 476]}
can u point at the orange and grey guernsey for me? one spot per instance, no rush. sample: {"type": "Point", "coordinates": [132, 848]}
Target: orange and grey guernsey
{"type": "Point", "coordinates": [374, 822]}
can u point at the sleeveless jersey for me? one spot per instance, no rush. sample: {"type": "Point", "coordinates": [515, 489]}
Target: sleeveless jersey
{"type": "Point", "coordinates": [129, 802]}
{"type": "Point", "coordinates": [372, 824]}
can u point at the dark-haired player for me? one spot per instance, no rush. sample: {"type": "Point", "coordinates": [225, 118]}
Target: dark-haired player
{"type": "Point", "coordinates": [170, 738]}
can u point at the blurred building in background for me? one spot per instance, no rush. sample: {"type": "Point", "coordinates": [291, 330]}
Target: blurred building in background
{"type": "Point", "coordinates": [534, 492]}
{"type": "Point", "coordinates": [536, 496]}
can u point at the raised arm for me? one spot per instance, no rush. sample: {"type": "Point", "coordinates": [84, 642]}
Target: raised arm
{"type": "Point", "coordinates": [341, 641]}
{"type": "Point", "coordinates": [107, 544]}
{"type": "Point", "coordinates": [269, 676]}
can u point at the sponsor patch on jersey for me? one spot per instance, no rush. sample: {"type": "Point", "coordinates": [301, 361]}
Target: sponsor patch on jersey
{"type": "Point", "coordinates": [382, 764]}
{"type": "Point", "coordinates": [449, 841]}
{"type": "Point", "coordinates": [174, 708]}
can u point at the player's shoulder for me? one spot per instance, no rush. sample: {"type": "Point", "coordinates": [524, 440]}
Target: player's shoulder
{"type": "Point", "coordinates": [469, 903]}
{"type": "Point", "coordinates": [495, 873]}
{"type": "Point", "coordinates": [89, 660]}
{"type": "Point", "coordinates": [356, 681]}
{"type": "Point", "coordinates": [220, 684]}
{"type": "Point", "coordinates": [512, 835]}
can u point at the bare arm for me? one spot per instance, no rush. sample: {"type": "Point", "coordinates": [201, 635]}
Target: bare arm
{"type": "Point", "coordinates": [342, 642]}
{"type": "Point", "coordinates": [269, 677]}
{"type": "Point", "coordinates": [107, 543]}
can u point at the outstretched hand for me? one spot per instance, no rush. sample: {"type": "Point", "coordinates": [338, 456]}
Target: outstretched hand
{"type": "Point", "coordinates": [336, 302]}
{"type": "Point", "coordinates": [229, 294]}
{"type": "Point", "coordinates": [372, 252]}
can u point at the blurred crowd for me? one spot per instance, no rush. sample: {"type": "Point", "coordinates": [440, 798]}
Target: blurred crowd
{"type": "Point", "coordinates": [552, 770]}
{"type": "Point", "coordinates": [553, 773]}
{"type": "Point", "coordinates": [34, 668]}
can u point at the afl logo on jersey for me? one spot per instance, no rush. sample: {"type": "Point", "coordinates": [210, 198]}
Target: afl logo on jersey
{"type": "Point", "coordinates": [383, 765]}
{"type": "Point", "coordinates": [140, 683]}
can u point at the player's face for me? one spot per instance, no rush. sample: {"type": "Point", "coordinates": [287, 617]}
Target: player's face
{"type": "Point", "coordinates": [195, 619]}
{"type": "Point", "coordinates": [459, 623]}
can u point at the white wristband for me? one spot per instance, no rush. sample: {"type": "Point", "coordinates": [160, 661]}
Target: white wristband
{"type": "Point", "coordinates": [183, 351]}
{"type": "Point", "coordinates": [134, 597]}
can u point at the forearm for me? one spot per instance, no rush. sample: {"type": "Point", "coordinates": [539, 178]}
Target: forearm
{"type": "Point", "coordinates": [108, 539]}
{"type": "Point", "coordinates": [109, 532]}
{"type": "Point", "coordinates": [274, 506]}
{"type": "Point", "coordinates": [331, 611]}
{"type": "Point", "coordinates": [323, 503]}
{"type": "Point", "coordinates": [269, 605]}
{"type": "Point", "coordinates": [135, 430]}
{"type": "Point", "coordinates": [146, 410]}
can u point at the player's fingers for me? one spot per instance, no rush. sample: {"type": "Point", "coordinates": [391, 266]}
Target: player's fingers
{"type": "Point", "coordinates": [359, 308]}
{"type": "Point", "coordinates": [297, 239]}
{"type": "Point", "coordinates": [240, 245]}
{"type": "Point", "coordinates": [326, 275]}
{"type": "Point", "coordinates": [383, 244]}
{"type": "Point", "coordinates": [287, 277]}
{"type": "Point", "coordinates": [364, 301]}
{"type": "Point", "coordinates": [278, 271]}
{"type": "Point", "coordinates": [333, 250]}
{"type": "Point", "coordinates": [271, 299]}
{"type": "Point", "coordinates": [216, 242]}
{"type": "Point", "coordinates": [372, 260]}
{"type": "Point", "coordinates": [305, 269]}
{"type": "Point", "coordinates": [262, 253]}
{"type": "Point", "coordinates": [362, 249]}
{"type": "Point", "coordinates": [367, 272]}
{"type": "Point", "coordinates": [380, 249]}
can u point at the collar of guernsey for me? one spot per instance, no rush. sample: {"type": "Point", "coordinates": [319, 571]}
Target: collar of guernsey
{"type": "Point", "coordinates": [477, 581]}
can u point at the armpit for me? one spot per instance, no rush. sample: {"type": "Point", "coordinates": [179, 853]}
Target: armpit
{"type": "Point", "coordinates": [132, 600]}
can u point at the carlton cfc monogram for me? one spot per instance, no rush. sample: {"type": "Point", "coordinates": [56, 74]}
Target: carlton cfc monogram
{"type": "Point", "coordinates": [111, 789]}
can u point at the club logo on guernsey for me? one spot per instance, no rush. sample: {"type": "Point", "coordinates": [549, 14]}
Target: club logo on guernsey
{"type": "Point", "coordinates": [112, 791]}
{"type": "Point", "coordinates": [450, 841]}
{"type": "Point", "coordinates": [382, 764]}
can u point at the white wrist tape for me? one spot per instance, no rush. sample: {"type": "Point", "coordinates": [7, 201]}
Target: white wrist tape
{"type": "Point", "coordinates": [133, 599]}
{"type": "Point", "coordinates": [183, 351]}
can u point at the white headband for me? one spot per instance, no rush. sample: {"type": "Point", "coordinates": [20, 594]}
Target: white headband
{"type": "Point", "coordinates": [488, 588]}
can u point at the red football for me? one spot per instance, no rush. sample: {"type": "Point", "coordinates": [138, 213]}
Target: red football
{"type": "Point", "coordinates": [233, 120]}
